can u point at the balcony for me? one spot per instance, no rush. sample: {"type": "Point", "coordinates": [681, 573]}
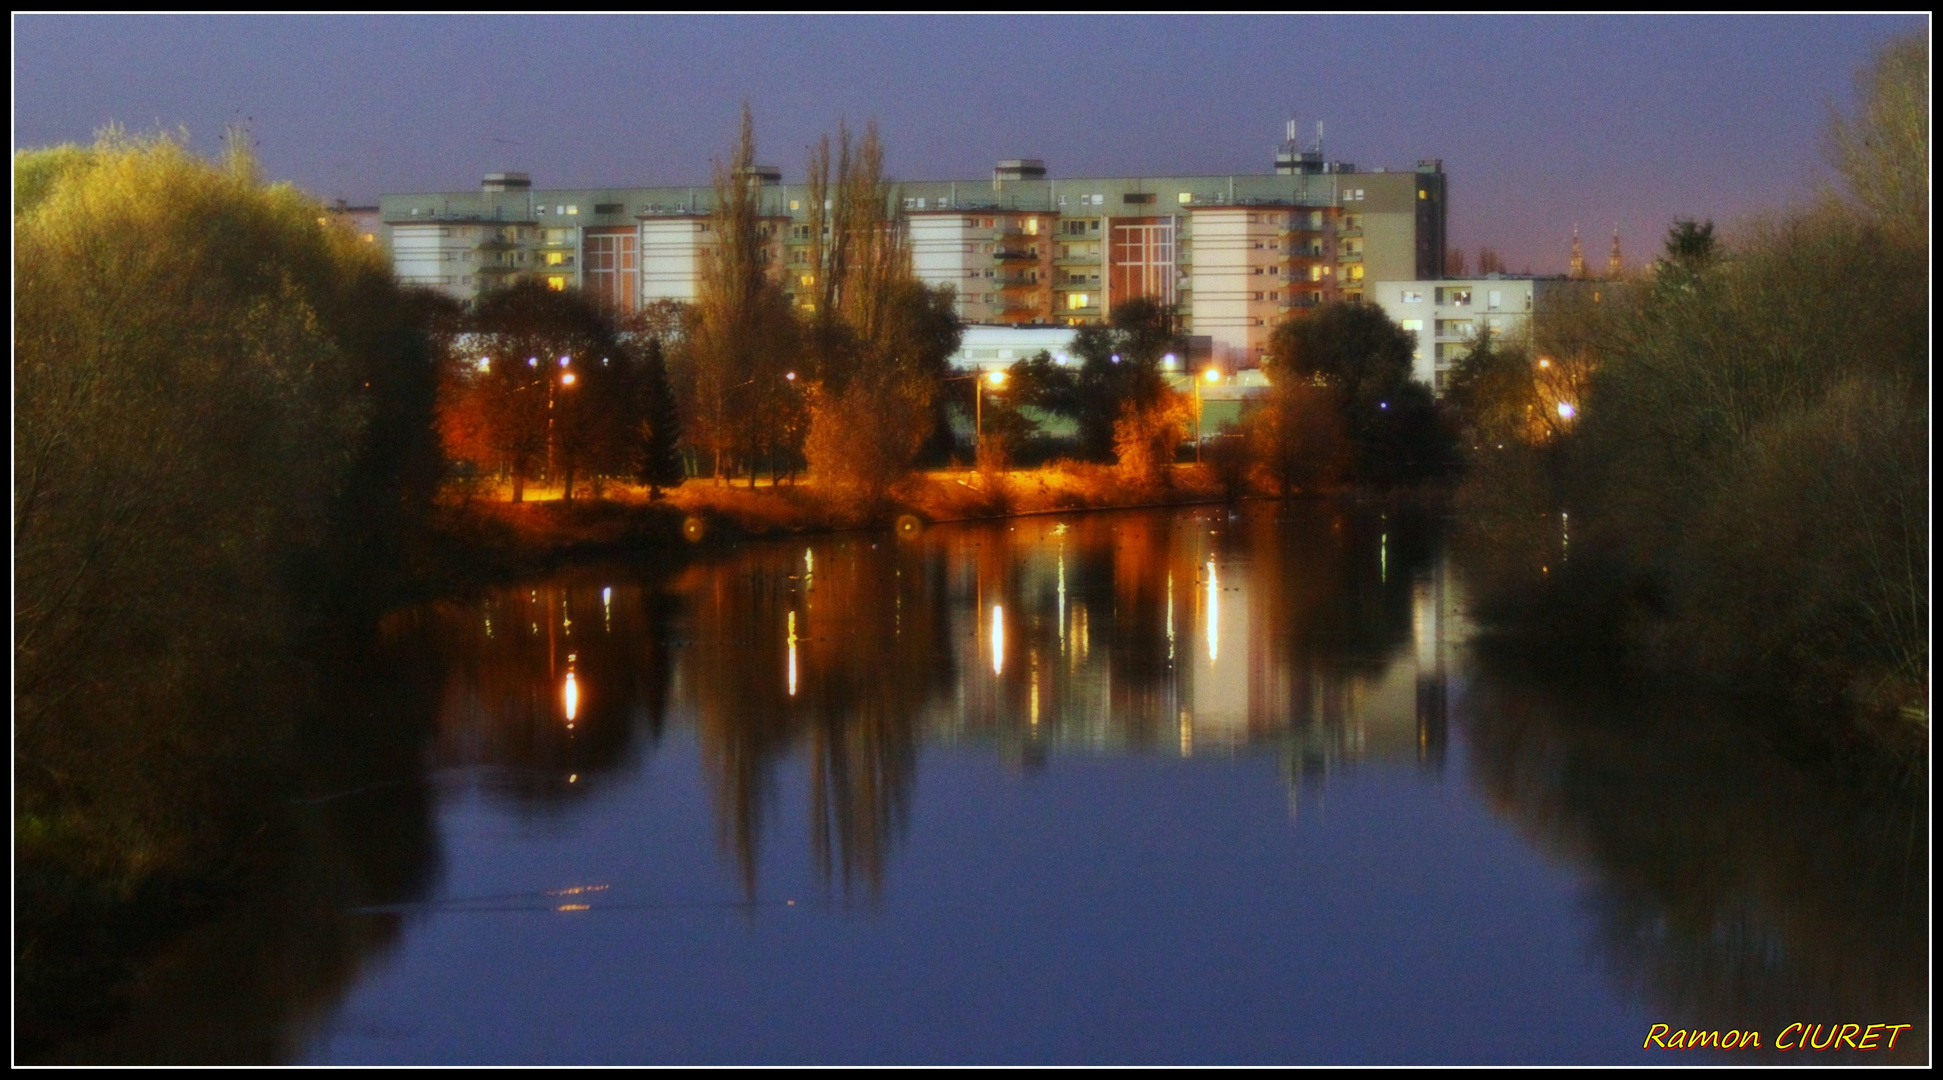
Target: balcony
{"type": "Point", "coordinates": [1350, 233]}
{"type": "Point", "coordinates": [1013, 255]}
{"type": "Point", "coordinates": [1349, 256]}
{"type": "Point", "coordinates": [1015, 282]}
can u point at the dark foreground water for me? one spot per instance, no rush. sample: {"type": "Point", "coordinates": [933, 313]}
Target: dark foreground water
{"type": "Point", "coordinates": [1146, 787]}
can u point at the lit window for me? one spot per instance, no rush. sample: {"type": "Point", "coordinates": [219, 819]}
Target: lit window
{"type": "Point", "coordinates": [1413, 297]}
{"type": "Point", "coordinates": [557, 283]}
{"type": "Point", "coordinates": [795, 204]}
{"type": "Point", "coordinates": [573, 209]}
{"type": "Point", "coordinates": [555, 258]}
{"type": "Point", "coordinates": [1186, 197]}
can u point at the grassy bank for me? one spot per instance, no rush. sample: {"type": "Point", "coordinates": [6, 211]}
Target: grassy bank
{"type": "Point", "coordinates": [486, 533]}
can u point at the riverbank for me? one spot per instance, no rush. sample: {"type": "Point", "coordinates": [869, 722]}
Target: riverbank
{"type": "Point", "coordinates": [487, 534]}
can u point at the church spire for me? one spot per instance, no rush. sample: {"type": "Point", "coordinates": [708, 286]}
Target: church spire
{"type": "Point", "coordinates": [1614, 263]}
{"type": "Point", "coordinates": [1578, 255]}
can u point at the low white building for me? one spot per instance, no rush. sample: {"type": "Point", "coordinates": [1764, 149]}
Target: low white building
{"type": "Point", "coordinates": [989, 348]}
{"type": "Point", "coordinates": [1445, 316]}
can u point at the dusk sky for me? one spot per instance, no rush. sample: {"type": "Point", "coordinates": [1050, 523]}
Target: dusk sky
{"type": "Point", "coordinates": [1542, 123]}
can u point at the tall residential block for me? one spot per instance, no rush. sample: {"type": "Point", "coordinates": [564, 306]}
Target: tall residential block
{"type": "Point", "coordinates": [1234, 254]}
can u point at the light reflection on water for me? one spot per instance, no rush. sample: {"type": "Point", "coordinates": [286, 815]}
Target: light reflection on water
{"type": "Point", "coordinates": [1171, 786]}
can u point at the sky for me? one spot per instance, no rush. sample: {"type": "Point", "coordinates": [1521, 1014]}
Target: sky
{"type": "Point", "coordinates": [1543, 123]}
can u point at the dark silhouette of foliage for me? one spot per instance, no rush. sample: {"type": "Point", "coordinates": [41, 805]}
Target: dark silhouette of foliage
{"type": "Point", "coordinates": [659, 426]}
{"type": "Point", "coordinates": [1365, 359]}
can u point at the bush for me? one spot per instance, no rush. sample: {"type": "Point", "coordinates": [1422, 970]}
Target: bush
{"type": "Point", "coordinates": [864, 437]}
{"type": "Point", "coordinates": [1147, 437]}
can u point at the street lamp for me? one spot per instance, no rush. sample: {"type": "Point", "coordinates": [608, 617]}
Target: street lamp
{"type": "Point", "coordinates": [997, 379]}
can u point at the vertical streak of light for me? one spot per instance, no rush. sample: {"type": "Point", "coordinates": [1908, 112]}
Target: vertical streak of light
{"type": "Point", "coordinates": [1033, 710]}
{"type": "Point", "coordinates": [1062, 600]}
{"type": "Point", "coordinates": [570, 694]}
{"type": "Point", "coordinates": [1383, 558]}
{"type": "Point", "coordinates": [1214, 614]}
{"type": "Point", "coordinates": [1170, 616]}
{"type": "Point", "coordinates": [998, 639]}
{"type": "Point", "coordinates": [792, 654]}
{"type": "Point", "coordinates": [607, 609]}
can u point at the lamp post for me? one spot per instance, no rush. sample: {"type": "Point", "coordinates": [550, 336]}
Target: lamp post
{"type": "Point", "coordinates": [979, 379]}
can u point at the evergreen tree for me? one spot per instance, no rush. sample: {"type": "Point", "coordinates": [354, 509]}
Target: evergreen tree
{"type": "Point", "coordinates": [660, 426]}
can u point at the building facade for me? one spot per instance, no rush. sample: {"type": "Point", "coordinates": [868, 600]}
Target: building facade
{"type": "Point", "coordinates": [1444, 317]}
{"type": "Point", "coordinates": [1234, 254]}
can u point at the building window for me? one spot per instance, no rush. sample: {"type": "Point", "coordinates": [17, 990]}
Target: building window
{"type": "Point", "coordinates": [573, 209]}
{"type": "Point", "coordinates": [1186, 197]}
{"type": "Point", "coordinates": [1495, 299]}
{"type": "Point", "coordinates": [557, 283]}
{"type": "Point", "coordinates": [1411, 296]}
{"type": "Point", "coordinates": [608, 208]}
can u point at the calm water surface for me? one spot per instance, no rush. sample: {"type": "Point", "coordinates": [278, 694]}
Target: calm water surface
{"type": "Point", "coordinates": [1170, 786]}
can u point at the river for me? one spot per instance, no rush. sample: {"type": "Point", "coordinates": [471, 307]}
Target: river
{"type": "Point", "coordinates": [1160, 786]}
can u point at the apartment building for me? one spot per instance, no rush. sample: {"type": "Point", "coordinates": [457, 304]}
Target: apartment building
{"type": "Point", "coordinates": [1233, 253]}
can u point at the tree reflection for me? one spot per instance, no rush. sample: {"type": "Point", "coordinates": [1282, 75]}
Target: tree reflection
{"type": "Point", "coordinates": [261, 959]}
{"type": "Point", "coordinates": [838, 646]}
{"type": "Point", "coordinates": [1736, 888]}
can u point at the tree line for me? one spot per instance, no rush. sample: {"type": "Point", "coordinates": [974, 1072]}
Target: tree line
{"type": "Point", "coordinates": [1722, 466]}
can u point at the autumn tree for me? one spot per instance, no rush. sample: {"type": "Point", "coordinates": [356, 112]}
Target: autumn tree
{"type": "Point", "coordinates": [543, 391]}
{"type": "Point", "coordinates": [875, 331]}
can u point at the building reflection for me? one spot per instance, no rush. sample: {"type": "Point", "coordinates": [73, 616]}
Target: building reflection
{"type": "Point", "coordinates": [1315, 631]}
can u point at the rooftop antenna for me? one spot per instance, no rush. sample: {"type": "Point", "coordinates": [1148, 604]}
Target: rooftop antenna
{"type": "Point", "coordinates": [1318, 137]}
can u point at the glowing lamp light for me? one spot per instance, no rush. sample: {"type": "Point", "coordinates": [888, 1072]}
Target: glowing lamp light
{"type": "Point", "coordinates": [1544, 363]}
{"type": "Point", "coordinates": [1213, 375]}
{"type": "Point", "coordinates": [1566, 411]}
{"type": "Point", "coordinates": [790, 375]}
{"type": "Point", "coordinates": [564, 359]}
{"type": "Point", "coordinates": [997, 378]}
{"type": "Point", "coordinates": [567, 379]}
{"type": "Point", "coordinates": [485, 363]}
{"type": "Point", "coordinates": [532, 361]}
{"type": "Point", "coordinates": [1170, 361]}
{"type": "Point", "coordinates": [570, 695]}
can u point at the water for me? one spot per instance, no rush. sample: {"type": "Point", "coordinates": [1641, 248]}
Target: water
{"type": "Point", "coordinates": [1172, 786]}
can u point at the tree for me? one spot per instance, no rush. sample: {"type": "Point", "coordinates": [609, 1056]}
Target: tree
{"type": "Point", "coordinates": [1690, 243]}
{"type": "Point", "coordinates": [1298, 437]}
{"type": "Point", "coordinates": [1494, 393]}
{"type": "Point", "coordinates": [1119, 369]}
{"type": "Point", "coordinates": [1883, 152]}
{"type": "Point", "coordinates": [658, 426]}
{"type": "Point", "coordinates": [221, 399]}
{"type": "Point", "coordinates": [1148, 435]}
{"type": "Point", "coordinates": [543, 392]}
{"type": "Point", "coordinates": [744, 337]}
{"type": "Point", "coordinates": [1365, 359]}
{"type": "Point", "coordinates": [874, 328]}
